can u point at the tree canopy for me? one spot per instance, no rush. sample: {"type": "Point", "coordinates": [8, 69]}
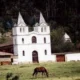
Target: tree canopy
{"type": "Point", "coordinates": [64, 13]}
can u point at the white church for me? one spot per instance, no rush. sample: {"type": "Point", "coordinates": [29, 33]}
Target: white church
{"type": "Point", "coordinates": [34, 46]}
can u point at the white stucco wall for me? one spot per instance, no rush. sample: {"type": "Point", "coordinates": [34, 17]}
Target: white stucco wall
{"type": "Point", "coordinates": [72, 57]}
{"type": "Point", "coordinates": [29, 47]}
{"type": "Point", "coordinates": [67, 37]}
{"type": "Point", "coordinates": [28, 39]}
{"type": "Point", "coordinates": [20, 30]}
{"type": "Point", "coordinates": [40, 32]}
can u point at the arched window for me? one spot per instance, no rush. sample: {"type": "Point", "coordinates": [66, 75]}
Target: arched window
{"type": "Point", "coordinates": [44, 40]}
{"type": "Point", "coordinates": [23, 40]}
{"type": "Point", "coordinates": [45, 52]}
{"type": "Point", "coordinates": [23, 53]}
{"type": "Point", "coordinates": [34, 39]}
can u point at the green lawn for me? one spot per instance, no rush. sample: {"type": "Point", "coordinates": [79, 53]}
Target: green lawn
{"type": "Point", "coordinates": [57, 71]}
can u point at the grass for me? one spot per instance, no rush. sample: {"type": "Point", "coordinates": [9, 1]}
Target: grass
{"type": "Point", "coordinates": [57, 71]}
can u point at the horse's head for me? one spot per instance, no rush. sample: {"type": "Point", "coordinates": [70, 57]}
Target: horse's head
{"type": "Point", "coordinates": [46, 73]}
{"type": "Point", "coordinates": [33, 74]}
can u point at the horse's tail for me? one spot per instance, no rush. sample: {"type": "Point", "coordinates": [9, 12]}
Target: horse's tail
{"type": "Point", "coordinates": [47, 73]}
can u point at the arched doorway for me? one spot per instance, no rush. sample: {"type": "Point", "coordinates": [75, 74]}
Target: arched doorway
{"type": "Point", "coordinates": [35, 57]}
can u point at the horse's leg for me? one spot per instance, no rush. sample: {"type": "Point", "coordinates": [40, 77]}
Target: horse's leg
{"type": "Point", "coordinates": [42, 74]}
{"type": "Point", "coordinates": [36, 74]}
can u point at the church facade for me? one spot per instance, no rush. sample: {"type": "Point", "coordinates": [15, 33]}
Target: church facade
{"type": "Point", "coordinates": [34, 46]}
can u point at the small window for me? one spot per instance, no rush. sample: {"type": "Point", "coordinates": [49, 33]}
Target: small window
{"type": "Point", "coordinates": [44, 40]}
{"type": "Point", "coordinates": [45, 52]}
{"type": "Point", "coordinates": [41, 29]}
{"type": "Point", "coordinates": [20, 29]}
{"type": "Point", "coordinates": [22, 40]}
{"type": "Point", "coordinates": [23, 53]}
{"type": "Point", "coordinates": [34, 39]}
{"type": "Point", "coordinates": [15, 41]}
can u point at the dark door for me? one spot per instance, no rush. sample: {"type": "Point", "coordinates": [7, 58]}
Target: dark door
{"type": "Point", "coordinates": [60, 58]}
{"type": "Point", "coordinates": [35, 57]}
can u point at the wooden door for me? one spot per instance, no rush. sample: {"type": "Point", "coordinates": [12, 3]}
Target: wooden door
{"type": "Point", "coordinates": [60, 58]}
{"type": "Point", "coordinates": [35, 57]}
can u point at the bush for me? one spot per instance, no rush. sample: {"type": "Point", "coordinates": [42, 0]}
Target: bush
{"type": "Point", "coordinates": [68, 46]}
{"type": "Point", "coordinates": [2, 40]}
{"type": "Point", "coordinates": [8, 75]}
{"type": "Point", "coordinates": [16, 77]}
{"type": "Point", "coordinates": [57, 41]}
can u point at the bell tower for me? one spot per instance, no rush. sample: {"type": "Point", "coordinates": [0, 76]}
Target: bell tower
{"type": "Point", "coordinates": [20, 28]}
{"type": "Point", "coordinates": [44, 28]}
{"type": "Point", "coordinates": [19, 31]}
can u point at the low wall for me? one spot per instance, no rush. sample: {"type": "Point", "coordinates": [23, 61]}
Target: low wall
{"type": "Point", "coordinates": [72, 57]}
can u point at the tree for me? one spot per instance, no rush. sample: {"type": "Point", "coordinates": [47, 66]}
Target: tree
{"type": "Point", "coordinates": [2, 31]}
{"type": "Point", "coordinates": [57, 39]}
{"type": "Point", "coordinates": [7, 23]}
{"type": "Point", "coordinates": [62, 12]}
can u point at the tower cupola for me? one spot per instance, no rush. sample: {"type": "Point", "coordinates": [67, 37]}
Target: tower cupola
{"type": "Point", "coordinates": [21, 21]}
{"type": "Point", "coordinates": [20, 28]}
{"type": "Point", "coordinates": [44, 28]}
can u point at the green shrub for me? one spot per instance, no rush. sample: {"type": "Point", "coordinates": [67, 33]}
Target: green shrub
{"type": "Point", "coordinates": [67, 46]}
{"type": "Point", "coordinates": [2, 40]}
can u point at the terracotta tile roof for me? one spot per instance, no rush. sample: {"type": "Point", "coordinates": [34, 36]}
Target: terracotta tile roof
{"type": "Point", "coordinates": [4, 53]}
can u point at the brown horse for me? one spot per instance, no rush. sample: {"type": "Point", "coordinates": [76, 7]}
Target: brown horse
{"type": "Point", "coordinates": [43, 70]}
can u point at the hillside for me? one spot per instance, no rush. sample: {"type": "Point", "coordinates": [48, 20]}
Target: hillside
{"type": "Point", "coordinates": [65, 13]}
{"type": "Point", "coordinates": [59, 12]}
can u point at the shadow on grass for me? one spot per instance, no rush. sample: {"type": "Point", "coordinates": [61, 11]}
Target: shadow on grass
{"type": "Point", "coordinates": [38, 78]}
{"type": "Point", "coordinates": [77, 79]}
